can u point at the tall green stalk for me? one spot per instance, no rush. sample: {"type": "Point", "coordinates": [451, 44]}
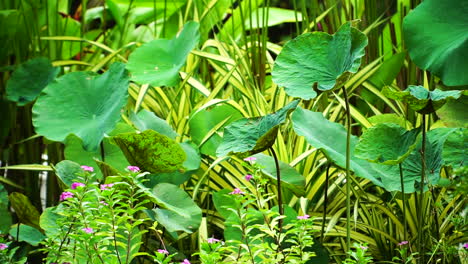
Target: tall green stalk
{"type": "Point", "coordinates": [278, 186]}
{"type": "Point", "coordinates": [348, 177]}
{"type": "Point", "coordinates": [405, 226]}
{"type": "Point", "coordinates": [421, 192]}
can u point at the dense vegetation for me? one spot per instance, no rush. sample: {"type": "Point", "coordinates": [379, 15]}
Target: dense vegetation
{"type": "Point", "coordinates": [248, 131]}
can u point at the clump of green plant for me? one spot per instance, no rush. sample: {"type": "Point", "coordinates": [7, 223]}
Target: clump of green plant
{"type": "Point", "coordinates": [97, 223]}
{"type": "Point", "coordinates": [255, 235]}
{"type": "Point", "coordinates": [359, 255]}
{"type": "Point", "coordinates": [7, 253]}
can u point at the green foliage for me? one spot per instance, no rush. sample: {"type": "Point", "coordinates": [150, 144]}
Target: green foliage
{"type": "Point", "coordinates": [249, 136]}
{"type": "Point", "coordinates": [455, 147]}
{"type": "Point", "coordinates": [145, 120]}
{"type": "Point", "coordinates": [158, 62]}
{"type": "Point", "coordinates": [26, 212]}
{"type": "Point", "coordinates": [318, 60]}
{"type": "Point", "coordinates": [26, 233]}
{"type": "Point", "coordinates": [28, 80]}
{"type": "Point", "coordinates": [438, 41]}
{"type": "Point", "coordinates": [151, 151]}
{"type": "Point", "coordinates": [89, 112]}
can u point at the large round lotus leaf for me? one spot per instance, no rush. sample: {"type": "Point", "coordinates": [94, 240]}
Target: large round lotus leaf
{"type": "Point", "coordinates": [386, 143]}
{"type": "Point", "coordinates": [453, 113]}
{"type": "Point", "coordinates": [82, 103]}
{"type": "Point", "coordinates": [318, 59]}
{"type": "Point", "coordinates": [420, 99]}
{"type": "Point", "coordinates": [330, 137]}
{"type": "Point", "coordinates": [455, 148]}
{"type": "Point", "coordinates": [290, 178]}
{"type": "Point", "coordinates": [145, 120]}
{"type": "Point", "coordinates": [28, 80]}
{"type": "Point", "coordinates": [215, 114]}
{"type": "Point", "coordinates": [67, 172]}
{"type": "Point", "coordinates": [151, 151]}
{"type": "Point", "coordinates": [436, 36]}
{"type": "Point", "coordinates": [249, 136]}
{"type": "Point", "coordinates": [158, 62]}
{"type": "Point", "coordinates": [112, 154]}
{"type": "Point", "coordinates": [177, 211]}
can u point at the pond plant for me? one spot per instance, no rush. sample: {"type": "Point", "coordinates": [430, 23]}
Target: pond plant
{"type": "Point", "coordinates": [233, 132]}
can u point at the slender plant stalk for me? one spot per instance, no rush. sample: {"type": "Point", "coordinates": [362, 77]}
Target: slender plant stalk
{"type": "Point", "coordinates": [421, 192]}
{"type": "Point", "coordinates": [348, 178]}
{"type": "Point", "coordinates": [278, 186]}
{"type": "Point", "coordinates": [404, 203]}
{"type": "Point", "coordinates": [327, 178]}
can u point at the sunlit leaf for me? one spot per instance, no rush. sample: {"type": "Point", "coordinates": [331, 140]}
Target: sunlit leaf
{"type": "Point", "coordinates": [318, 59]}
{"type": "Point", "coordinates": [147, 120]}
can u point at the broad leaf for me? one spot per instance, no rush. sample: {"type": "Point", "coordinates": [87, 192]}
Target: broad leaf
{"type": "Point", "coordinates": [24, 209]}
{"type": "Point", "coordinates": [112, 154]}
{"type": "Point", "coordinates": [27, 234]}
{"type": "Point", "coordinates": [158, 62]}
{"type": "Point", "coordinates": [436, 35]}
{"type": "Point", "coordinates": [222, 201]}
{"type": "Point", "coordinates": [145, 120]}
{"type": "Point", "coordinates": [177, 211]}
{"type": "Point", "coordinates": [386, 143]}
{"type": "Point", "coordinates": [151, 151]}
{"type": "Point", "coordinates": [420, 99]}
{"type": "Point", "coordinates": [455, 148]}
{"type": "Point", "coordinates": [82, 103]}
{"type": "Point", "coordinates": [318, 59]}
{"type": "Point", "coordinates": [453, 113]}
{"type": "Point", "coordinates": [249, 136]}
{"type": "Point", "coordinates": [290, 178]}
{"type": "Point", "coordinates": [207, 121]}
{"type": "Point", "coordinates": [29, 79]}
{"type": "Point", "coordinates": [48, 221]}
{"type": "Point", "coordinates": [67, 171]}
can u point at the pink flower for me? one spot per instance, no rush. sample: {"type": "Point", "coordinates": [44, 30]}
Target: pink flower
{"type": "Point", "coordinates": [3, 246]}
{"type": "Point", "coordinates": [363, 247]}
{"type": "Point", "coordinates": [303, 217]}
{"type": "Point", "coordinates": [465, 246]}
{"type": "Point", "coordinates": [76, 185]}
{"type": "Point", "coordinates": [403, 243]}
{"type": "Point", "coordinates": [237, 191]}
{"type": "Point", "coordinates": [88, 230]}
{"type": "Point", "coordinates": [104, 203]}
{"type": "Point", "coordinates": [106, 186]}
{"type": "Point", "coordinates": [250, 159]}
{"type": "Point", "coordinates": [163, 251]}
{"type": "Point", "coordinates": [65, 195]}
{"type": "Point", "coordinates": [248, 177]}
{"type": "Point", "coordinates": [186, 261]}
{"type": "Point", "coordinates": [133, 168]}
{"type": "Point", "coordinates": [87, 168]}
{"type": "Point", "coordinates": [212, 240]}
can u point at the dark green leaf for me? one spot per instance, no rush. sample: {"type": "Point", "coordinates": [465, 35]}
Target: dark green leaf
{"type": "Point", "coordinates": [177, 211]}
{"type": "Point", "coordinates": [318, 59]}
{"type": "Point", "coordinates": [420, 99]}
{"type": "Point", "coordinates": [151, 151]}
{"type": "Point", "coordinates": [25, 211]}
{"type": "Point", "coordinates": [158, 62]}
{"type": "Point", "coordinates": [386, 143]}
{"type": "Point", "coordinates": [453, 113]}
{"type": "Point", "coordinates": [249, 136]}
{"type": "Point", "coordinates": [29, 79]}
{"type": "Point", "coordinates": [82, 103]}
{"type": "Point", "coordinates": [436, 35]}
{"type": "Point", "coordinates": [5, 220]}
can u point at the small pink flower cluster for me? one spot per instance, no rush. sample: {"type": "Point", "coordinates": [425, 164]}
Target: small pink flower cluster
{"type": "Point", "coordinates": [66, 195]}
{"type": "Point", "coordinates": [237, 191]}
{"type": "Point", "coordinates": [87, 168]}
{"type": "Point", "coordinates": [3, 246]}
{"type": "Point", "coordinates": [212, 240]}
{"type": "Point", "coordinates": [88, 230]}
{"type": "Point", "coordinates": [186, 261]}
{"type": "Point", "coordinates": [133, 168]}
{"type": "Point", "coordinates": [106, 186]}
{"type": "Point", "coordinates": [303, 217]}
{"type": "Point", "coordinates": [248, 177]}
{"type": "Point", "coordinates": [250, 159]}
{"type": "Point", "coordinates": [403, 243]}
{"type": "Point", "coordinates": [76, 185]}
{"type": "Point", "coordinates": [163, 251]}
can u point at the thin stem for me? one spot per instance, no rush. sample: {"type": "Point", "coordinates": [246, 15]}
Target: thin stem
{"type": "Point", "coordinates": [327, 178]}
{"type": "Point", "coordinates": [421, 192]}
{"type": "Point", "coordinates": [348, 178]}
{"type": "Point", "coordinates": [405, 226]}
{"type": "Point", "coordinates": [278, 186]}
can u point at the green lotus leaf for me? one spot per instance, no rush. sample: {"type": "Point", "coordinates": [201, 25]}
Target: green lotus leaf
{"type": "Point", "coordinates": [82, 103]}
{"type": "Point", "coordinates": [147, 120]}
{"type": "Point", "coordinates": [215, 114]}
{"type": "Point", "coordinates": [455, 147]}
{"type": "Point", "coordinates": [29, 79]}
{"type": "Point", "coordinates": [141, 11]}
{"type": "Point", "coordinates": [112, 154]}
{"type": "Point", "coordinates": [420, 99]}
{"type": "Point", "coordinates": [290, 178]}
{"type": "Point", "coordinates": [48, 221]}
{"type": "Point", "coordinates": [249, 136]}
{"type": "Point", "coordinates": [177, 211]}
{"type": "Point", "coordinates": [453, 113]}
{"type": "Point", "coordinates": [386, 143]}
{"type": "Point", "coordinates": [318, 59]}
{"type": "Point", "coordinates": [151, 151]}
{"type": "Point", "coordinates": [26, 212]}
{"type": "Point", "coordinates": [5, 220]}
{"type": "Point", "coordinates": [436, 36]}
{"type": "Point", "coordinates": [27, 234]}
{"type": "Point", "coordinates": [67, 171]}
{"type": "Point", "coordinates": [158, 62]}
